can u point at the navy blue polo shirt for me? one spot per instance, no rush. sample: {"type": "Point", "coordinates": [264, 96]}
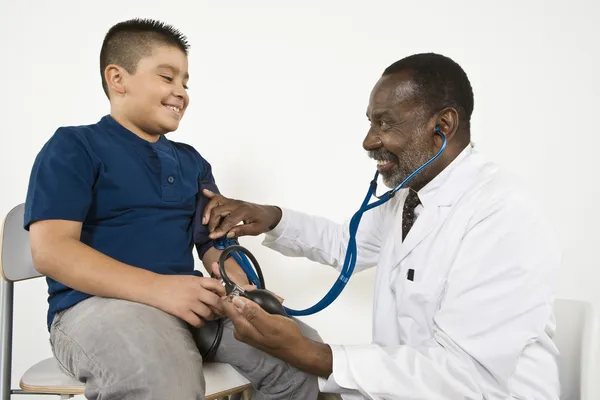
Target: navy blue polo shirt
{"type": "Point", "coordinates": [137, 200]}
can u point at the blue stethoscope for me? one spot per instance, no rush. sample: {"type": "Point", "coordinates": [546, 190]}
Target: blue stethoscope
{"type": "Point", "coordinates": [261, 296]}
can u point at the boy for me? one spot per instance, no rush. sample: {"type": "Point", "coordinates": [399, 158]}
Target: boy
{"type": "Point", "coordinates": [110, 210]}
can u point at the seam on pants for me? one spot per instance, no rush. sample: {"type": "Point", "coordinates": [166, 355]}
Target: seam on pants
{"type": "Point", "coordinates": [61, 365]}
{"type": "Point", "coordinates": [68, 338]}
{"type": "Point", "coordinates": [293, 380]}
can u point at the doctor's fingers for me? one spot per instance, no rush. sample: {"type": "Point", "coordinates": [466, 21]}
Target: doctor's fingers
{"type": "Point", "coordinates": [220, 210]}
{"type": "Point", "coordinates": [244, 330]}
{"type": "Point", "coordinates": [216, 200]}
{"type": "Point", "coordinates": [230, 223]}
{"type": "Point", "coordinates": [203, 311]}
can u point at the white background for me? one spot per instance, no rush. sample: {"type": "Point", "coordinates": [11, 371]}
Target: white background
{"type": "Point", "coordinates": [278, 98]}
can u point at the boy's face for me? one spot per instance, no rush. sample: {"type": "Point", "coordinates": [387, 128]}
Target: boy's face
{"type": "Point", "coordinates": [156, 95]}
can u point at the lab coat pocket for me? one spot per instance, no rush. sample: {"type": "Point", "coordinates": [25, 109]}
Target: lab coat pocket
{"type": "Point", "coordinates": [417, 303]}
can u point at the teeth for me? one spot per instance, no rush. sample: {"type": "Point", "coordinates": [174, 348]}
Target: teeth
{"type": "Point", "coordinates": [176, 109]}
{"type": "Point", "coordinates": [381, 162]}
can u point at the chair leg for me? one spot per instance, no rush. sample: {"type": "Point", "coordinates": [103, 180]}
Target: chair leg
{"type": "Point", "coordinates": [6, 319]}
{"type": "Point", "coordinates": [245, 395]}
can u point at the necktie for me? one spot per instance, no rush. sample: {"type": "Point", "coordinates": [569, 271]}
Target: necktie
{"type": "Point", "coordinates": [408, 212]}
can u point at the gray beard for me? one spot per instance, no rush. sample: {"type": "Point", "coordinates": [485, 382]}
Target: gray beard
{"type": "Point", "coordinates": [415, 154]}
{"type": "Point", "coordinates": [409, 163]}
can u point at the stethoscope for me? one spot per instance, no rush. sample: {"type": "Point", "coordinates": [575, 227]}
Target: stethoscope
{"type": "Point", "coordinates": [265, 298]}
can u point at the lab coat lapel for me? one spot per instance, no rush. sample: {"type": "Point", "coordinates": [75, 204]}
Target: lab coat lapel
{"type": "Point", "coordinates": [429, 218]}
{"type": "Point", "coordinates": [437, 209]}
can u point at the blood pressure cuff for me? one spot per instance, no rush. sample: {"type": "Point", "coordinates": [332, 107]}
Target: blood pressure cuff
{"type": "Point", "coordinates": [207, 337]}
{"type": "Point", "coordinates": [201, 239]}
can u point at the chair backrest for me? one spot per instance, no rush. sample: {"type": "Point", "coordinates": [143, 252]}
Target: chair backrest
{"type": "Point", "coordinates": [15, 252]}
{"type": "Point", "coordinates": [577, 337]}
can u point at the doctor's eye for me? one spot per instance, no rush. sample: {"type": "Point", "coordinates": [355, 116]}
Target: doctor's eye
{"type": "Point", "coordinates": [384, 126]}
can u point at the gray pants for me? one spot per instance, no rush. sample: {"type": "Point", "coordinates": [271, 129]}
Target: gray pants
{"type": "Point", "coordinates": [130, 351]}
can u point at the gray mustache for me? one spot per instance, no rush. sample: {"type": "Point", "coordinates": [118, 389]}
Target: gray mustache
{"type": "Point", "coordinates": [383, 155]}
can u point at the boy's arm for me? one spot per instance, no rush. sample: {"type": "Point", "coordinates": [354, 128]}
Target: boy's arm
{"type": "Point", "coordinates": [58, 253]}
{"type": "Point", "coordinates": [204, 244]}
{"type": "Point", "coordinates": [234, 271]}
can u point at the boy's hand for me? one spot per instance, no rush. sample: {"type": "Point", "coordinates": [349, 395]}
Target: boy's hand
{"type": "Point", "coordinates": [247, 286]}
{"type": "Point", "coordinates": [193, 299]}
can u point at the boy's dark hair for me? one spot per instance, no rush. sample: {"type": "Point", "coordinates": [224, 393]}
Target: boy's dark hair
{"type": "Point", "coordinates": [440, 82]}
{"type": "Point", "coordinates": [127, 42]}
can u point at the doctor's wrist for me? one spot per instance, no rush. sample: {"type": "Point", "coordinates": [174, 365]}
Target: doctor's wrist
{"type": "Point", "coordinates": [313, 357]}
{"type": "Point", "coordinates": [275, 217]}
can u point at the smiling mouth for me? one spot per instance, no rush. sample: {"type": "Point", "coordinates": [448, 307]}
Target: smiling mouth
{"type": "Point", "coordinates": [384, 166]}
{"type": "Point", "coordinates": [176, 110]}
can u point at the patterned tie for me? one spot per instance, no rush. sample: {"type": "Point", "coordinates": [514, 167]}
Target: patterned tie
{"type": "Point", "coordinates": [408, 212]}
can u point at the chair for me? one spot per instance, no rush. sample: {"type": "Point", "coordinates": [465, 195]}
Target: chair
{"type": "Point", "coordinates": [222, 380]}
{"type": "Point", "coordinates": [577, 337]}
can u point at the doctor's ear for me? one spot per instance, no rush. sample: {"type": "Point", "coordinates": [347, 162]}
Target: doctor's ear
{"type": "Point", "coordinates": [447, 122]}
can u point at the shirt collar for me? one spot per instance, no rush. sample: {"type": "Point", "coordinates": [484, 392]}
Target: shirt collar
{"type": "Point", "coordinates": [428, 192]}
{"type": "Point", "coordinates": [115, 127]}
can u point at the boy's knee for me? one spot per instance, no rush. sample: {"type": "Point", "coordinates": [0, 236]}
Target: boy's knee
{"type": "Point", "coordinates": [307, 385]}
{"type": "Point", "coordinates": [285, 381]}
{"type": "Point", "coordinates": [308, 331]}
{"type": "Point", "coordinates": [162, 381]}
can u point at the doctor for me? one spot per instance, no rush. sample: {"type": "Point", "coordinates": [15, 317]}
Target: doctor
{"type": "Point", "coordinates": [466, 262]}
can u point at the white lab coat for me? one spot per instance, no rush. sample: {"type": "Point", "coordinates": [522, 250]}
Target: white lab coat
{"type": "Point", "coordinates": [476, 321]}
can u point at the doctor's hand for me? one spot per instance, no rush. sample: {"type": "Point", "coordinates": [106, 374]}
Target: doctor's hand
{"type": "Point", "coordinates": [278, 336]}
{"type": "Point", "coordinates": [223, 216]}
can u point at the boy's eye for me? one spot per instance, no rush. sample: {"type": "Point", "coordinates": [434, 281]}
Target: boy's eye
{"type": "Point", "coordinates": [170, 79]}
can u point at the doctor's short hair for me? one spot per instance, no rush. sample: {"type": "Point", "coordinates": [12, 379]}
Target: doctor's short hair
{"type": "Point", "coordinates": [127, 42]}
{"type": "Point", "coordinates": [440, 83]}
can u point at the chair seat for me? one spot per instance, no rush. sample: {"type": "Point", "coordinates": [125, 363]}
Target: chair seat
{"type": "Point", "coordinates": [46, 376]}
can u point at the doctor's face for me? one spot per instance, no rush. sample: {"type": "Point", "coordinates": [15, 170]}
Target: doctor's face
{"type": "Point", "coordinates": [401, 135]}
